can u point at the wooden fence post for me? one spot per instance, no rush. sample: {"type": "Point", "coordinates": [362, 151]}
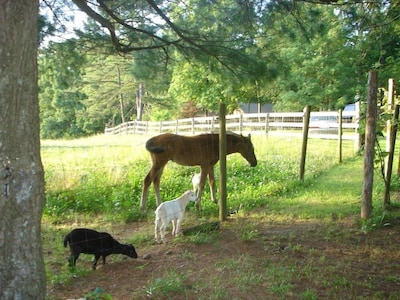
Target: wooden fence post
{"type": "Point", "coordinates": [389, 159]}
{"type": "Point", "coordinates": [370, 139]}
{"type": "Point", "coordinates": [340, 134]}
{"type": "Point", "coordinates": [222, 162]}
{"type": "Point", "coordinates": [306, 123]}
{"type": "Point", "coordinates": [357, 138]}
{"type": "Point", "coordinates": [390, 102]}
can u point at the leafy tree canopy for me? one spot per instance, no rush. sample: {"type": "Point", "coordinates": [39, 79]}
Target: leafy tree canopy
{"type": "Point", "coordinates": [190, 55]}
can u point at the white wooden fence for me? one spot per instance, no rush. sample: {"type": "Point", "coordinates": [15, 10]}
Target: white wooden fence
{"type": "Point", "coordinates": [287, 124]}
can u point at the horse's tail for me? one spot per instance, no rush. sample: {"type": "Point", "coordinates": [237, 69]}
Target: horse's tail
{"type": "Point", "coordinates": [154, 148]}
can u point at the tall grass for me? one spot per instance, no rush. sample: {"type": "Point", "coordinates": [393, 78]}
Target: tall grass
{"type": "Point", "coordinates": [104, 174]}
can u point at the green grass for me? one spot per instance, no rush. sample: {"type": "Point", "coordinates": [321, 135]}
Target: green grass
{"type": "Point", "coordinates": [104, 174]}
{"type": "Point", "coordinates": [162, 287]}
{"type": "Point", "coordinates": [83, 187]}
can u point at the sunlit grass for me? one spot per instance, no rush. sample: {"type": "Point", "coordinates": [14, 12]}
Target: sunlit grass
{"type": "Point", "coordinates": [104, 174]}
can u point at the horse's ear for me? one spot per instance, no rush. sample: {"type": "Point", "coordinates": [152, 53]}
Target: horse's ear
{"type": "Point", "coordinates": [249, 136]}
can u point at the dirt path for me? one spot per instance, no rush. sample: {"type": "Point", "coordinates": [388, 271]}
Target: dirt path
{"type": "Point", "coordinates": [252, 259]}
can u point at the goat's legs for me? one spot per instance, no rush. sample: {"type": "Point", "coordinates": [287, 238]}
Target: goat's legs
{"type": "Point", "coordinates": [162, 231]}
{"type": "Point", "coordinates": [72, 259]}
{"type": "Point", "coordinates": [173, 227]}
{"type": "Point", "coordinates": [156, 230]}
{"type": "Point", "coordinates": [178, 227]}
{"type": "Point", "coordinates": [96, 258]}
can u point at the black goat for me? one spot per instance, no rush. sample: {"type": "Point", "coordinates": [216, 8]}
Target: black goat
{"type": "Point", "coordinates": [82, 240]}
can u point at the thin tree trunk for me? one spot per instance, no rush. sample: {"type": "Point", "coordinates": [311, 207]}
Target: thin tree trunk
{"type": "Point", "coordinates": [121, 96]}
{"type": "Point", "coordinates": [389, 160]}
{"type": "Point", "coordinates": [139, 102]}
{"type": "Point", "coordinates": [22, 273]}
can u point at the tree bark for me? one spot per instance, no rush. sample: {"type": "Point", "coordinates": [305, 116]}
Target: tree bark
{"type": "Point", "coordinates": [22, 272]}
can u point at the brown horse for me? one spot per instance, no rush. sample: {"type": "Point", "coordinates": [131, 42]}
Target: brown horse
{"type": "Point", "coordinates": [200, 150]}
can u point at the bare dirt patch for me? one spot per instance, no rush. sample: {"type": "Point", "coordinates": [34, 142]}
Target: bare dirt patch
{"type": "Point", "coordinates": [253, 259]}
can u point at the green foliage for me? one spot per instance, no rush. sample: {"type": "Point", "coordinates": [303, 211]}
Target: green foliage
{"type": "Point", "coordinates": [60, 99]}
{"type": "Point", "coordinates": [289, 53]}
{"type": "Point", "coordinates": [111, 91]}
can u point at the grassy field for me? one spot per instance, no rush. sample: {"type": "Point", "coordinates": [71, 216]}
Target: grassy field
{"type": "Point", "coordinates": [104, 174]}
{"type": "Point", "coordinates": [96, 182]}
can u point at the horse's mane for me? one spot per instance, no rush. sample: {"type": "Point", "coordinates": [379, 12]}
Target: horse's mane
{"type": "Point", "coordinates": [228, 133]}
{"type": "Point", "coordinates": [233, 133]}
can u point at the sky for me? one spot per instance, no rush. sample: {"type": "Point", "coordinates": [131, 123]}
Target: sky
{"type": "Point", "coordinates": [78, 17]}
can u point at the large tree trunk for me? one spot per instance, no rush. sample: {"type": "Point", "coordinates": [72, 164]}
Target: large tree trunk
{"type": "Point", "coordinates": [22, 273]}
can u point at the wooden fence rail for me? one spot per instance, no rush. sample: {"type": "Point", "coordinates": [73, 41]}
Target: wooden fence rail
{"type": "Point", "coordinates": [287, 124]}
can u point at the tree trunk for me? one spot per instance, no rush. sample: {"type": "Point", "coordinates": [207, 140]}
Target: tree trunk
{"type": "Point", "coordinates": [121, 96]}
{"type": "Point", "coordinates": [139, 102]}
{"type": "Point", "coordinates": [22, 273]}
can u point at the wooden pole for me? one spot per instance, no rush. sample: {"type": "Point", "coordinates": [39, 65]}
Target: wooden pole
{"type": "Point", "coordinates": [389, 161]}
{"type": "Point", "coordinates": [357, 140]}
{"type": "Point", "coordinates": [306, 123]}
{"type": "Point", "coordinates": [340, 134]}
{"type": "Point", "coordinates": [390, 107]}
{"type": "Point", "coordinates": [370, 139]}
{"type": "Point", "coordinates": [222, 162]}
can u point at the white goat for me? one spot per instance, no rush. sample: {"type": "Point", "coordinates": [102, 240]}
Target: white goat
{"type": "Point", "coordinates": [196, 183]}
{"type": "Point", "coordinates": [172, 211]}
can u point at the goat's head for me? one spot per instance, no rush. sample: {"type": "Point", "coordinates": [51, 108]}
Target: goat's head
{"type": "Point", "coordinates": [191, 195]}
{"type": "Point", "coordinates": [129, 250]}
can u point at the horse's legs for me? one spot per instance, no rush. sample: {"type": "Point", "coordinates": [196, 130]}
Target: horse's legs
{"type": "Point", "coordinates": [143, 198]}
{"type": "Point", "coordinates": [156, 183]}
{"type": "Point", "coordinates": [203, 175]}
{"type": "Point", "coordinates": [154, 177]}
{"type": "Point", "coordinates": [211, 181]}
{"type": "Point", "coordinates": [145, 190]}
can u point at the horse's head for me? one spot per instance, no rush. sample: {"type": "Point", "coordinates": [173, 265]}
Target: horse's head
{"type": "Point", "coordinates": [247, 150]}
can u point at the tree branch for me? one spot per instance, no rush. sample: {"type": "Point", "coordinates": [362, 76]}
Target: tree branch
{"type": "Point", "coordinates": [120, 47]}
